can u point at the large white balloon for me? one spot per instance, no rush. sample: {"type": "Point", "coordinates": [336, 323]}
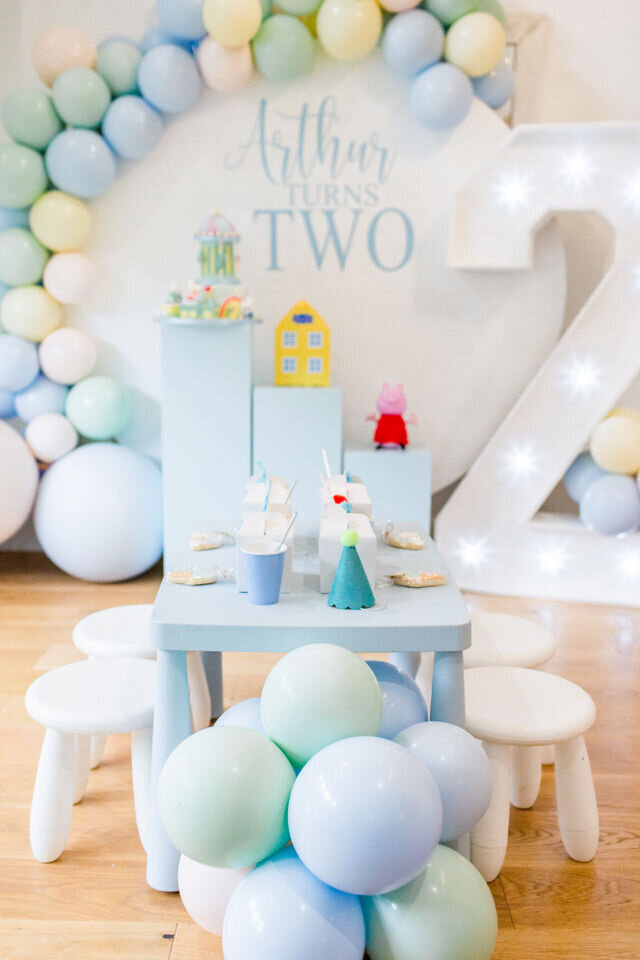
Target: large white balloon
{"type": "Point", "coordinates": [67, 355]}
{"type": "Point", "coordinates": [18, 481]}
{"type": "Point", "coordinates": [224, 69]}
{"type": "Point", "coordinates": [206, 891]}
{"type": "Point", "coordinates": [50, 436]}
{"type": "Point", "coordinates": [70, 277]}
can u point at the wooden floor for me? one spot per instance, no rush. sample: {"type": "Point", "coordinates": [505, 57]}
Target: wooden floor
{"type": "Point", "coordinates": [94, 904]}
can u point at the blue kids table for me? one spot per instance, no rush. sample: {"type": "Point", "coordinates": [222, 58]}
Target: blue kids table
{"type": "Point", "coordinates": [216, 618]}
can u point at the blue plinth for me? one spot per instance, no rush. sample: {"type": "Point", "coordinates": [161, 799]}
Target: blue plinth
{"type": "Point", "coordinates": [291, 425]}
{"type": "Point", "coordinates": [398, 482]}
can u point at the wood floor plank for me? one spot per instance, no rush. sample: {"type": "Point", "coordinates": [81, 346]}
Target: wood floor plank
{"type": "Point", "coordinates": [87, 940]}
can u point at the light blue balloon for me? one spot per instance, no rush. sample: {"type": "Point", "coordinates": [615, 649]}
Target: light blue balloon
{"type": "Point", "coordinates": [169, 79]}
{"type": "Point", "coordinates": [18, 362]}
{"type": "Point", "coordinates": [131, 127]}
{"type": "Point", "coordinates": [7, 406]}
{"type": "Point", "coordinates": [582, 472]}
{"type": "Point", "coordinates": [460, 768]}
{"type": "Point", "coordinates": [611, 505]}
{"type": "Point", "coordinates": [182, 18]}
{"type": "Point", "coordinates": [280, 910]}
{"type": "Point", "coordinates": [412, 41]}
{"type": "Point", "coordinates": [402, 702]}
{"type": "Point", "coordinates": [244, 714]}
{"type": "Point", "coordinates": [80, 162]}
{"type": "Point", "coordinates": [13, 218]}
{"type": "Point", "coordinates": [364, 815]}
{"type": "Point", "coordinates": [495, 88]}
{"type": "Point", "coordinates": [155, 36]}
{"type": "Point", "coordinates": [441, 96]}
{"type": "Point", "coordinates": [42, 396]}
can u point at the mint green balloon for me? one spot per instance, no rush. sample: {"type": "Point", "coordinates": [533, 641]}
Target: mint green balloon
{"type": "Point", "coordinates": [267, 6]}
{"type": "Point", "coordinates": [22, 176]}
{"type": "Point", "coordinates": [223, 796]}
{"type": "Point", "coordinates": [446, 913]}
{"type": "Point", "coordinates": [299, 8]}
{"type": "Point", "coordinates": [283, 48]}
{"type": "Point", "coordinates": [22, 257]}
{"type": "Point", "coordinates": [30, 118]}
{"type": "Point", "coordinates": [316, 695]}
{"type": "Point", "coordinates": [118, 62]}
{"type": "Point", "coordinates": [98, 407]}
{"type": "Point", "coordinates": [81, 97]}
{"type": "Point", "coordinates": [447, 11]}
{"type": "Point", "coordinates": [494, 7]}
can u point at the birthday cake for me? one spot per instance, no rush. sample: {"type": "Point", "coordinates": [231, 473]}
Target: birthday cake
{"type": "Point", "coordinates": [218, 294]}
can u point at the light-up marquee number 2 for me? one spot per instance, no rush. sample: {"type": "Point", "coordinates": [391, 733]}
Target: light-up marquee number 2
{"type": "Point", "coordinates": [489, 529]}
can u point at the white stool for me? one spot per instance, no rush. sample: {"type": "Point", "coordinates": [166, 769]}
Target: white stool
{"type": "Point", "coordinates": [76, 702]}
{"type": "Point", "coordinates": [515, 711]}
{"type": "Point", "coordinates": [124, 632]}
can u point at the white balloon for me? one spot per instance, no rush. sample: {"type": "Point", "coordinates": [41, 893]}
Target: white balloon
{"type": "Point", "coordinates": [49, 436]}
{"type": "Point", "coordinates": [67, 355]}
{"type": "Point", "coordinates": [224, 69]}
{"type": "Point", "coordinates": [18, 481]}
{"type": "Point", "coordinates": [69, 277]}
{"type": "Point", "coordinates": [206, 891]}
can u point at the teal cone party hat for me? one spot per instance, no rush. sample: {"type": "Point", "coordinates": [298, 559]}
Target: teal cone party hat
{"type": "Point", "coordinates": [351, 589]}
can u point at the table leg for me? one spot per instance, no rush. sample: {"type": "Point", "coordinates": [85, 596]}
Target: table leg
{"type": "Point", "coordinates": [447, 694]}
{"type": "Point", "coordinates": [212, 663]}
{"type": "Point", "coordinates": [171, 724]}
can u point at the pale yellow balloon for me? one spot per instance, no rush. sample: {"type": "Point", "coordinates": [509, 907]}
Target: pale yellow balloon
{"type": "Point", "coordinates": [59, 48]}
{"type": "Point", "coordinates": [475, 43]}
{"type": "Point", "coordinates": [232, 22]}
{"type": "Point", "coordinates": [625, 412]}
{"type": "Point", "coordinates": [60, 222]}
{"type": "Point", "coordinates": [615, 444]}
{"type": "Point", "coordinates": [30, 312]}
{"type": "Point", "coordinates": [349, 29]}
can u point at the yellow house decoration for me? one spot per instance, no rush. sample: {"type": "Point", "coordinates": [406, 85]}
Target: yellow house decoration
{"type": "Point", "coordinates": [302, 348]}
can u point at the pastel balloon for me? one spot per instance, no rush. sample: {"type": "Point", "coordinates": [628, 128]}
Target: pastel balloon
{"type": "Point", "coordinates": [349, 29]}
{"type": "Point", "coordinates": [460, 768]}
{"type": "Point", "coordinates": [69, 277]}
{"type": "Point", "coordinates": [446, 913]}
{"type": "Point", "coordinates": [365, 815]}
{"type": "Point", "coordinates": [18, 363]}
{"type": "Point", "coordinates": [168, 78]}
{"type": "Point", "coordinates": [41, 396]}
{"type": "Point", "coordinates": [280, 910]}
{"type": "Point", "coordinates": [131, 127]}
{"type": "Point", "coordinates": [29, 117]}
{"type": "Point", "coordinates": [412, 41]}
{"type": "Point", "coordinates": [99, 407]}
{"type": "Point", "coordinates": [205, 891]}
{"type": "Point", "coordinates": [624, 412]}
{"type": "Point", "coordinates": [232, 22]}
{"type": "Point", "coordinates": [402, 702]}
{"type": "Point", "coordinates": [318, 694]}
{"type": "Point", "coordinates": [475, 43]}
{"type": "Point", "coordinates": [22, 257]}
{"type": "Point", "coordinates": [300, 8]}
{"type": "Point", "coordinates": [118, 62]}
{"type": "Point", "coordinates": [241, 775]}
{"type": "Point", "coordinates": [157, 36]}
{"type": "Point", "coordinates": [80, 163]}
{"type": "Point", "coordinates": [494, 7]}
{"type": "Point", "coordinates": [30, 312]}
{"type": "Point", "coordinates": [611, 505]}
{"type": "Point", "coordinates": [60, 48]}
{"type": "Point", "coordinates": [50, 436]}
{"type": "Point", "coordinates": [18, 481]}
{"type": "Point", "coordinates": [397, 6]}
{"type": "Point", "coordinates": [81, 97]}
{"type": "Point", "coordinates": [583, 471]}
{"type": "Point", "coordinates": [447, 11]}
{"type": "Point", "coordinates": [67, 355]}
{"type": "Point", "coordinates": [441, 96]}
{"type": "Point", "coordinates": [283, 48]}
{"type": "Point", "coordinates": [245, 714]}
{"type": "Point", "coordinates": [182, 18]}
{"type": "Point", "coordinates": [224, 69]}
{"type": "Point", "coordinates": [60, 222]}
{"type": "Point", "coordinates": [13, 218]}
{"type": "Point", "coordinates": [496, 87]}
{"type": "Point", "coordinates": [7, 406]}
{"type": "Point", "coordinates": [88, 530]}
{"type": "Point", "coordinates": [22, 175]}
{"type": "Point", "coordinates": [615, 444]}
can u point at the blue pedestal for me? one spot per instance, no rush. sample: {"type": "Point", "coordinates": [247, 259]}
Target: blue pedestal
{"type": "Point", "coordinates": [398, 482]}
{"type": "Point", "coordinates": [291, 425]}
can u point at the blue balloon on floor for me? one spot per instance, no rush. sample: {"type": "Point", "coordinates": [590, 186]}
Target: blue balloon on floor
{"type": "Point", "coordinates": [155, 36]}
{"type": "Point", "coordinates": [582, 472]}
{"type": "Point", "coordinates": [611, 505]}
{"type": "Point", "coordinates": [18, 362]}
{"type": "Point", "coordinates": [412, 41]}
{"type": "Point", "coordinates": [80, 162]}
{"type": "Point", "coordinates": [244, 714]}
{"type": "Point", "coordinates": [280, 910]}
{"type": "Point", "coordinates": [496, 87]}
{"type": "Point", "coordinates": [7, 406]}
{"type": "Point", "coordinates": [402, 702]}
{"type": "Point", "coordinates": [131, 127]}
{"type": "Point", "coordinates": [169, 79]}
{"type": "Point", "coordinates": [441, 96]}
{"type": "Point", "coordinates": [98, 514]}
{"type": "Point", "coordinates": [41, 396]}
{"type": "Point", "coordinates": [182, 18]}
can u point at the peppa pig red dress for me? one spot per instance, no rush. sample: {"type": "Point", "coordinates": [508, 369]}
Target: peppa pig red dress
{"type": "Point", "coordinates": [391, 428]}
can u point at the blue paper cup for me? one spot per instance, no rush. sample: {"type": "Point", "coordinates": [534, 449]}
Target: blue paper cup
{"type": "Point", "coordinates": [263, 569]}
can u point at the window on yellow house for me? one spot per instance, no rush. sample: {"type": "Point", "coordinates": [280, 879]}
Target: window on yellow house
{"type": "Point", "coordinates": [289, 364]}
{"type": "Point", "coordinates": [314, 365]}
{"type": "Point", "coordinates": [316, 340]}
{"type": "Point", "coordinates": [289, 338]}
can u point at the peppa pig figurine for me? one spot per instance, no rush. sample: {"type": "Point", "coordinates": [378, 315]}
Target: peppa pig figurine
{"type": "Point", "coordinates": [391, 429]}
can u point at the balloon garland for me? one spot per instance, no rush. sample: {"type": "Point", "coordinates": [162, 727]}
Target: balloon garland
{"type": "Point", "coordinates": [111, 102]}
